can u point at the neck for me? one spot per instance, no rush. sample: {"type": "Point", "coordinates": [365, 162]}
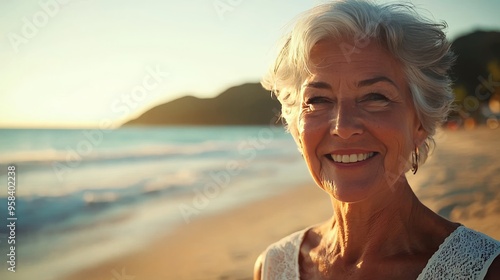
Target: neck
{"type": "Point", "coordinates": [378, 227]}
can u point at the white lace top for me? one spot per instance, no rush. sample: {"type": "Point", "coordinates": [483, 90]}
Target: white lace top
{"type": "Point", "coordinates": [465, 254]}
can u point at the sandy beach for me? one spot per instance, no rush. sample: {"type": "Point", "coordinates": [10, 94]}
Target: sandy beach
{"type": "Point", "coordinates": [460, 181]}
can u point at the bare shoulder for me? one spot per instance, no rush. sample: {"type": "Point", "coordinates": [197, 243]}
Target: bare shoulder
{"type": "Point", "coordinates": [257, 269]}
{"type": "Point", "coordinates": [494, 270]}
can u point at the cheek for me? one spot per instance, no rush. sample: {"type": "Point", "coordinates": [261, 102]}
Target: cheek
{"type": "Point", "coordinates": [397, 139]}
{"type": "Point", "coordinates": [397, 161]}
{"type": "Point", "coordinates": [311, 131]}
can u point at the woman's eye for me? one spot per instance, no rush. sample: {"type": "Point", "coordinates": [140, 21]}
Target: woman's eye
{"type": "Point", "coordinates": [316, 103]}
{"type": "Point", "coordinates": [376, 97]}
{"type": "Point", "coordinates": [316, 100]}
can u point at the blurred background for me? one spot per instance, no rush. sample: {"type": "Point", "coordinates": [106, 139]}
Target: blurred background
{"type": "Point", "coordinates": [129, 120]}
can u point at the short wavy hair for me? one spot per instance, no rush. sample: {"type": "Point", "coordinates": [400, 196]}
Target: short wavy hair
{"type": "Point", "coordinates": [416, 41]}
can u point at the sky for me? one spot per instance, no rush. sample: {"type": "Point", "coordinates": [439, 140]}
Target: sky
{"type": "Point", "coordinates": [99, 63]}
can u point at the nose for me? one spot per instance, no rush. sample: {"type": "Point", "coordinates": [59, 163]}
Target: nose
{"type": "Point", "coordinates": [346, 121]}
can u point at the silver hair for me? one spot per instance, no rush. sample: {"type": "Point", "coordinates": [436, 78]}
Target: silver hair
{"type": "Point", "coordinates": [417, 42]}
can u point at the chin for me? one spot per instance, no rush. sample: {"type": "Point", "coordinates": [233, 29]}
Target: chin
{"type": "Point", "coordinates": [350, 191]}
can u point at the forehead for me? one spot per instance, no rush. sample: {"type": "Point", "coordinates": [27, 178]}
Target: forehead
{"type": "Point", "coordinates": [347, 59]}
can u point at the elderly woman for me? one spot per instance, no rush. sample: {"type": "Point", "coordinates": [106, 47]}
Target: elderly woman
{"type": "Point", "coordinates": [363, 88]}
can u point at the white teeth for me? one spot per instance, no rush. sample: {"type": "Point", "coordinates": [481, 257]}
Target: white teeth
{"type": "Point", "coordinates": [351, 158]}
{"type": "Point", "coordinates": [338, 158]}
{"type": "Point", "coordinates": [345, 158]}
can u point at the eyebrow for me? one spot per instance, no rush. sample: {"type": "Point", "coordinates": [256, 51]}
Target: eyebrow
{"type": "Point", "coordinates": [319, 85]}
{"type": "Point", "coordinates": [363, 83]}
{"type": "Point", "coordinates": [369, 82]}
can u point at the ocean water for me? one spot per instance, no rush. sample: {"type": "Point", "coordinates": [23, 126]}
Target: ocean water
{"type": "Point", "coordinates": [84, 196]}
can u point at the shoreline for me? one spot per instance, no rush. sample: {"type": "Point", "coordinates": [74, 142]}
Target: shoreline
{"type": "Point", "coordinates": [191, 251]}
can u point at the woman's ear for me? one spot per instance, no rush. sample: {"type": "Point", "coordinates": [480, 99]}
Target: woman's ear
{"type": "Point", "coordinates": [420, 135]}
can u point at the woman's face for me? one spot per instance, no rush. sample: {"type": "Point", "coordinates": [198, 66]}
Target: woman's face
{"type": "Point", "coordinates": [357, 125]}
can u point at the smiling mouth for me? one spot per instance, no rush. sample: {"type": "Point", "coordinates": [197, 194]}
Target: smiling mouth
{"type": "Point", "coordinates": [352, 158]}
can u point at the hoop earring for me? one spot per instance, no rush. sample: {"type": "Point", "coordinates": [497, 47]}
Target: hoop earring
{"type": "Point", "coordinates": [415, 156]}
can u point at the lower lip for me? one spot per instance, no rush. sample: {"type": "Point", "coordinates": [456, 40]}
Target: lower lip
{"type": "Point", "coordinates": [353, 164]}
